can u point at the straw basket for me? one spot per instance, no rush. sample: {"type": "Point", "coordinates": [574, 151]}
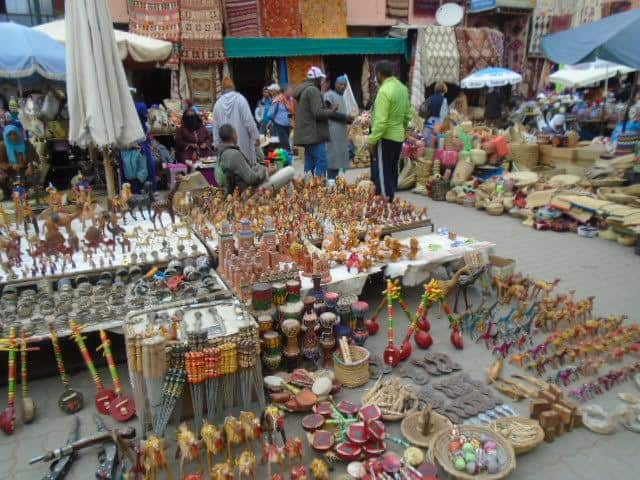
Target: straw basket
{"type": "Point", "coordinates": [423, 170]}
{"type": "Point", "coordinates": [495, 208]}
{"type": "Point", "coordinates": [501, 267]}
{"type": "Point", "coordinates": [525, 155]}
{"type": "Point", "coordinates": [439, 189]}
{"type": "Point", "coordinates": [523, 433]}
{"type": "Point", "coordinates": [442, 456]}
{"type": "Point", "coordinates": [356, 373]}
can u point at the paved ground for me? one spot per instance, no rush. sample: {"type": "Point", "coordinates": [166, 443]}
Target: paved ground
{"type": "Point", "coordinates": [590, 266]}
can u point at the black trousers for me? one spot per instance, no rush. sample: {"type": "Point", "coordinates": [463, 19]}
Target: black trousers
{"type": "Point", "coordinates": [384, 167]}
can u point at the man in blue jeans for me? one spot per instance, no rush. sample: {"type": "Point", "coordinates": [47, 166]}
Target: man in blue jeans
{"type": "Point", "coordinates": [312, 123]}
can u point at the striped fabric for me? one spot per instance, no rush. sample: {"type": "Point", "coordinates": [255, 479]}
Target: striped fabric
{"type": "Point", "coordinates": [242, 18]}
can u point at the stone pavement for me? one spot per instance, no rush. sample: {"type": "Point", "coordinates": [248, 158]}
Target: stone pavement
{"type": "Point", "coordinates": [590, 266]}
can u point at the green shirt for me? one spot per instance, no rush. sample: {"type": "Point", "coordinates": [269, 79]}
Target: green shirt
{"type": "Point", "coordinates": [391, 112]}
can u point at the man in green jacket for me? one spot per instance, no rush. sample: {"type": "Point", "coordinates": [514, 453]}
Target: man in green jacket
{"type": "Point", "coordinates": [390, 118]}
{"type": "Point", "coordinates": [312, 123]}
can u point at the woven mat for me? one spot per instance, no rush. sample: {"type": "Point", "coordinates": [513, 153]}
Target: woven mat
{"type": "Point", "coordinates": [515, 43]}
{"type": "Point", "coordinates": [540, 25]}
{"type": "Point", "coordinates": [242, 18]}
{"type": "Point", "coordinates": [203, 83]}
{"type": "Point", "coordinates": [280, 18]}
{"type": "Point", "coordinates": [326, 19]}
{"type": "Point", "coordinates": [440, 56]}
{"type": "Point", "coordinates": [155, 19]}
{"type": "Point", "coordinates": [201, 31]}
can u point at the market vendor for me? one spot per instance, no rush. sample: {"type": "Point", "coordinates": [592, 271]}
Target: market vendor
{"type": "Point", "coordinates": [234, 170]}
{"type": "Point", "coordinates": [17, 157]}
{"type": "Point", "coordinates": [338, 144]}
{"type": "Point", "coordinates": [193, 140]}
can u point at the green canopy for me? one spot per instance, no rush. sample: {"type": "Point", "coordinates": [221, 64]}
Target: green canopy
{"type": "Point", "coordinates": [252, 47]}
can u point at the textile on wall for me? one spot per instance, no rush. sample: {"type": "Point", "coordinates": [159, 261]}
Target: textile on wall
{"type": "Point", "coordinates": [425, 7]}
{"type": "Point", "coordinates": [614, 7]}
{"type": "Point", "coordinates": [297, 68]}
{"type": "Point", "coordinates": [440, 56]}
{"type": "Point", "coordinates": [155, 18]}
{"type": "Point", "coordinates": [396, 66]}
{"type": "Point", "coordinates": [496, 39]}
{"type": "Point", "coordinates": [516, 32]}
{"type": "Point", "coordinates": [203, 82]}
{"type": "Point", "coordinates": [560, 23]}
{"type": "Point", "coordinates": [540, 25]}
{"type": "Point", "coordinates": [324, 19]}
{"type": "Point", "coordinates": [364, 83]}
{"type": "Point", "coordinates": [476, 50]}
{"type": "Point", "coordinates": [417, 79]}
{"type": "Point", "coordinates": [398, 9]}
{"type": "Point", "coordinates": [280, 18]}
{"type": "Point", "coordinates": [242, 18]}
{"type": "Point", "coordinates": [201, 31]}
{"type": "Point", "coordinates": [587, 11]}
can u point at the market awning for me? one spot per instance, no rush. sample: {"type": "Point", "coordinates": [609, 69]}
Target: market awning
{"type": "Point", "coordinates": [484, 5]}
{"type": "Point", "coordinates": [252, 47]}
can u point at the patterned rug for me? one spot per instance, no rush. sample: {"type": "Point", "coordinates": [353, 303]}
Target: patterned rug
{"type": "Point", "coordinates": [280, 18]}
{"type": "Point", "coordinates": [515, 43]}
{"type": "Point", "coordinates": [440, 56]}
{"type": "Point", "coordinates": [560, 23]}
{"type": "Point", "coordinates": [155, 19]}
{"type": "Point", "coordinates": [297, 68]}
{"type": "Point", "coordinates": [540, 25]}
{"type": "Point", "coordinates": [326, 19]}
{"type": "Point", "coordinates": [398, 9]}
{"type": "Point", "coordinates": [201, 31]}
{"type": "Point", "coordinates": [496, 38]}
{"type": "Point", "coordinates": [425, 7]}
{"type": "Point", "coordinates": [202, 83]}
{"type": "Point", "coordinates": [476, 50]}
{"type": "Point", "coordinates": [242, 18]}
{"type": "Point", "coordinates": [587, 11]}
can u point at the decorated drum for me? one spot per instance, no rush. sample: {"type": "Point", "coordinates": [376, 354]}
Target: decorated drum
{"type": "Point", "coordinates": [261, 296]}
{"type": "Point", "coordinates": [331, 299]}
{"type": "Point", "coordinates": [265, 323]}
{"type": "Point", "coordinates": [291, 328]}
{"type": "Point", "coordinates": [272, 341]}
{"type": "Point", "coordinates": [291, 310]}
{"type": "Point", "coordinates": [279, 294]}
{"type": "Point", "coordinates": [272, 360]}
{"type": "Point", "coordinates": [308, 301]}
{"type": "Point", "coordinates": [293, 291]}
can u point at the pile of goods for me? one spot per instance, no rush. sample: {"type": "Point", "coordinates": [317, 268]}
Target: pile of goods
{"type": "Point", "coordinates": [358, 135]}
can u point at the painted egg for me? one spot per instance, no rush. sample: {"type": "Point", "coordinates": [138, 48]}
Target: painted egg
{"type": "Point", "coordinates": [460, 464]}
{"type": "Point", "coordinates": [454, 446]}
{"type": "Point", "coordinates": [470, 457]}
{"type": "Point", "coordinates": [476, 443]}
{"type": "Point", "coordinates": [471, 468]}
{"type": "Point", "coordinates": [492, 465]}
{"type": "Point", "coordinates": [468, 448]}
{"type": "Point", "coordinates": [490, 445]}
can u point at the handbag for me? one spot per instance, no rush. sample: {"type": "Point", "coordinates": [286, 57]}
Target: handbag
{"type": "Point", "coordinates": [423, 111]}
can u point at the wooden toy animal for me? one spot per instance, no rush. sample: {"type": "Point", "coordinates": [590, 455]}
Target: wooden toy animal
{"type": "Point", "coordinates": [160, 206]}
{"type": "Point", "coordinates": [188, 447]}
{"type": "Point", "coordinates": [213, 439]}
{"type": "Point", "coordinates": [247, 465]}
{"type": "Point", "coordinates": [294, 450]}
{"type": "Point", "coordinates": [319, 470]}
{"type": "Point", "coordinates": [233, 433]}
{"type": "Point", "coordinates": [543, 286]}
{"type": "Point", "coordinates": [154, 458]}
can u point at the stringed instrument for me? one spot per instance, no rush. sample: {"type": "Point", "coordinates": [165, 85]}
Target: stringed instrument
{"type": "Point", "coordinates": [122, 407]}
{"type": "Point", "coordinates": [70, 401]}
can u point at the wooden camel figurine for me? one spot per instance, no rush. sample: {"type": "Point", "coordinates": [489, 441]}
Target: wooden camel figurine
{"type": "Point", "coordinates": [160, 206]}
{"type": "Point", "coordinates": [213, 439]}
{"type": "Point", "coordinates": [188, 447]}
{"type": "Point", "coordinates": [221, 471]}
{"type": "Point", "coordinates": [233, 433]}
{"type": "Point", "coordinates": [543, 286]}
{"type": "Point", "coordinates": [247, 465]}
{"type": "Point", "coordinates": [274, 455]}
{"type": "Point", "coordinates": [154, 458]}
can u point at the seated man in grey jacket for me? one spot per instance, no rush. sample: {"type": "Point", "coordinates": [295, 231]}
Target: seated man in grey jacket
{"type": "Point", "coordinates": [237, 171]}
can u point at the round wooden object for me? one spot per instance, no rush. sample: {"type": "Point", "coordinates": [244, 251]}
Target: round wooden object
{"type": "Point", "coordinates": [103, 400]}
{"type": "Point", "coordinates": [122, 408]}
{"type": "Point", "coordinates": [28, 409]}
{"type": "Point", "coordinates": [71, 401]}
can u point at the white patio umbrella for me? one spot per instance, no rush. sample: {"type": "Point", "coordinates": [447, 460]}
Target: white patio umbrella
{"type": "Point", "coordinates": [101, 110]}
{"type": "Point", "coordinates": [491, 77]}
{"type": "Point", "coordinates": [138, 48]}
{"type": "Point", "coordinates": [584, 74]}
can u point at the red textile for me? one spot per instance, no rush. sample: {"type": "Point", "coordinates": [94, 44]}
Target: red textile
{"type": "Point", "coordinates": [242, 18]}
{"type": "Point", "coordinates": [156, 19]}
{"type": "Point", "coordinates": [281, 18]}
{"type": "Point", "coordinates": [201, 31]}
{"type": "Point", "coordinates": [476, 50]}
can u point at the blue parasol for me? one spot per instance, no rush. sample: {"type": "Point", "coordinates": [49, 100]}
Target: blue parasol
{"type": "Point", "coordinates": [30, 55]}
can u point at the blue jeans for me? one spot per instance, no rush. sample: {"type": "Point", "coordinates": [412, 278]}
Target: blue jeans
{"type": "Point", "coordinates": [315, 159]}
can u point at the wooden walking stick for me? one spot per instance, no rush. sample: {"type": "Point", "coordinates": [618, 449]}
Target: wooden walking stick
{"type": "Point", "coordinates": [8, 416]}
{"type": "Point", "coordinates": [28, 405]}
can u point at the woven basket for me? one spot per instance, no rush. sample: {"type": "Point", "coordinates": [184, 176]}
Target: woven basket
{"type": "Point", "coordinates": [355, 374]}
{"type": "Point", "coordinates": [439, 189]}
{"type": "Point", "coordinates": [501, 267]}
{"type": "Point", "coordinates": [462, 173]}
{"type": "Point", "coordinates": [441, 453]}
{"type": "Point", "coordinates": [522, 442]}
{"type": "Point", "coordinates": [423, 170]}
{"type": "Point", "coordinates": [495, 208]}
{"type": "Point", "coordinates": [524, 155]}
{"type": "Point", "coordinates": [626, 240]}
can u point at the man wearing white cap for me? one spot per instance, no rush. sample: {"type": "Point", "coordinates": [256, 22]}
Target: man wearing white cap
{"type": "Point", "coordinates": [312, 123]}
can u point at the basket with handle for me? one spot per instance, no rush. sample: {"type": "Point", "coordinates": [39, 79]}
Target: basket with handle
{"type": "Point", "coordinates": [439, 189]}
{"type": "Point", "coordinates": [523, 433]}
{"type": "Point", "coordinates": [353, 374]}
{"type": "Point", "coordinates": [443, 457]}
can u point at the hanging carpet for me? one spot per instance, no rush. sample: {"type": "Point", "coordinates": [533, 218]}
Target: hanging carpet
{"type": "Point", "coordinates": [440, 57]}
{"type": "Point", "coordinates": [476, 50]}
{"type": "Point", "coordinates": [201, 25]}
{"type": "Point", "coordinates": [324, 19]}
{"type": "Point", "coordinates": [242, 18]}
{"type": "Point", "coordinates": [280, 18]}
